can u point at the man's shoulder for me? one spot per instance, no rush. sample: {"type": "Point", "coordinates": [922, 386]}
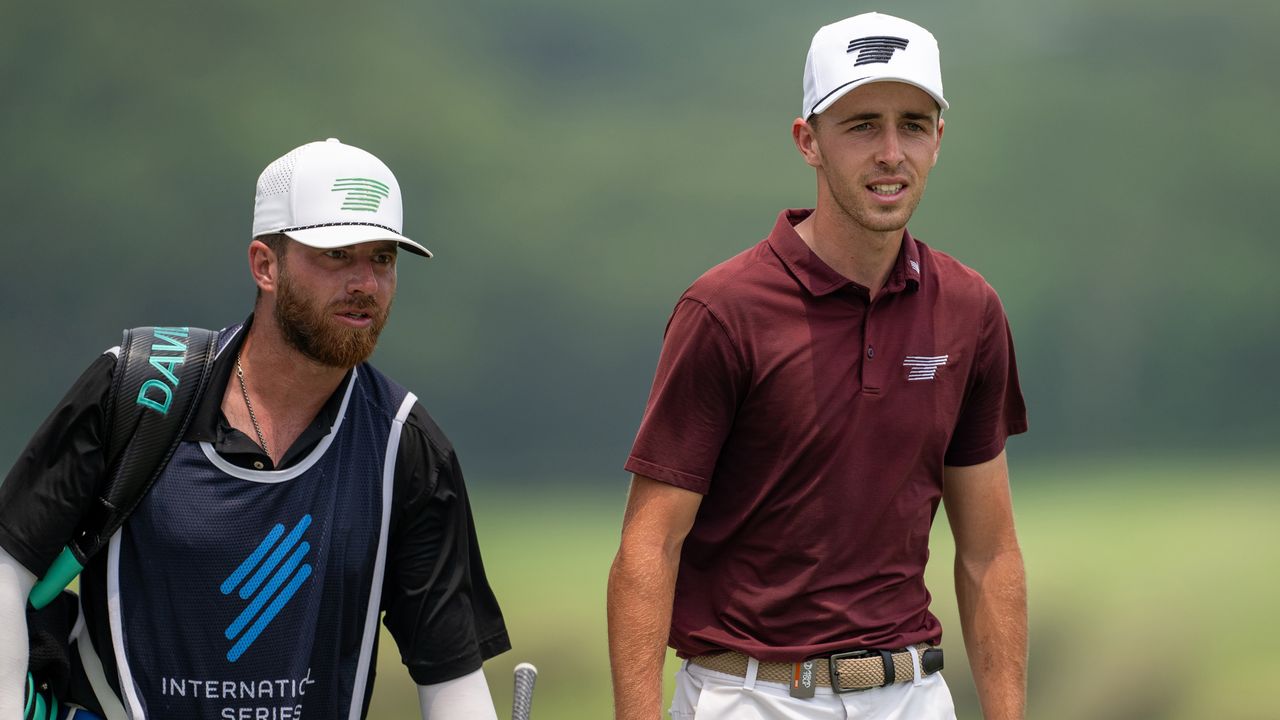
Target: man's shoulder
{"type": "Point", "coordinates": [383, 389]}
{"type": "Point", "coordinates": [736, 280]}
{"type": "Point", "coordinates": [409, 409]}
{"type": "Point", "coordinates": [951, 276]}
{"type": "Point", "coordinates": [421, 424]}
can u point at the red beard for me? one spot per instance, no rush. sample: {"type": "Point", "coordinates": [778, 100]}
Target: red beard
{"type": "Point", "coordinates": [309, 329]}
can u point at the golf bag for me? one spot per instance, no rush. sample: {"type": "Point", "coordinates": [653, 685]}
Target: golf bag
{"type": "Point", "coordinates": [158, 380]}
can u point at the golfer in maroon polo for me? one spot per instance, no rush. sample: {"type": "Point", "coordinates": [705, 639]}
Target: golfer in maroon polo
{"type": "Point", "coordinates": [817, 396]}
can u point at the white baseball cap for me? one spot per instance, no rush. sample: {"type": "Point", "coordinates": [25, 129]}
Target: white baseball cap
{"type": "Point", "coordinates": [329, 195]}
{"type": "Point", "coordinates": [869, 48]}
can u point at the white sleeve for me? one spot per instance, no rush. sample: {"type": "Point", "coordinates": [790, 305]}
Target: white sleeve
{"type": "Point", "coordinates": [464, 698]}
{"type": "Point", "coordinates": [15, 585]}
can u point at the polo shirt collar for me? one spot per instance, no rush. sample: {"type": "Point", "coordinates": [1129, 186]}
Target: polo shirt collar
{"type": "Point", "coordinates": [205, 423]}
{"type": "Point", "coordinates": [906, 271]}
{"type": "Point", "coordinates": [818, 277]}
{"type": "Point", "coordinates": [211, 426]}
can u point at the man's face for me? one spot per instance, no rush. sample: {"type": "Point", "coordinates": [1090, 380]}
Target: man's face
{"type": "Point", "coordinates": [875, 148]}
{"type": "Point", "coordinates": [331, 305]}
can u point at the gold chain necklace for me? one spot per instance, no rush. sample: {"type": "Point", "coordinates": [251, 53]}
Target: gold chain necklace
{"type": "Point", "coordinates": [252, 418]}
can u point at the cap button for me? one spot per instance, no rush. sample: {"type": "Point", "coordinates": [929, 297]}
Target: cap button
{"type": "Point", "coordinates": [333, 140]}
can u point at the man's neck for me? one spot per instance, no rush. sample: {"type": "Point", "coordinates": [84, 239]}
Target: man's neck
{"type": "Point", "coordinates": [864, 256]}
{"type": "Point", "coordinates": [286, 388]}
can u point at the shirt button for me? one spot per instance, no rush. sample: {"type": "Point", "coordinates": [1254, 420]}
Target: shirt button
{"type": "Point", "coordinates": [871, 352]}
{"type": "Point", "coordinates": [258, 464]}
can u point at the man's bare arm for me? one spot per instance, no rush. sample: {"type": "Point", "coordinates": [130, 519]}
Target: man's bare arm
{"type": "Point", "coordinates": [642, 585]}
{"type": "Point", "coordinates": [991, 585]}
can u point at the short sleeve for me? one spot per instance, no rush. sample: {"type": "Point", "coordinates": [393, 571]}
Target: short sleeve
{"type": "Point", "coordinates": [439, 607]}
{"type": "Point", "coordinates": [56, 479]}
{"type": "Point", "coordinates": [993, 407]}
{"type": "Point", "coordinates": [699, 385]}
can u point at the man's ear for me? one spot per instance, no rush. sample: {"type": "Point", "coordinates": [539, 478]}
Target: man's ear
{"type": "Point", "coordinates": [264, 266]}
{"type": "Point", "coordinates": [805, 136]}
{"type": "Point", "coordinates": [937, 148]}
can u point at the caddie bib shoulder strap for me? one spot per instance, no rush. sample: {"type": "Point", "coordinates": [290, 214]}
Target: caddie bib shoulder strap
{"type": "Point", "coordinates": [156, 387]}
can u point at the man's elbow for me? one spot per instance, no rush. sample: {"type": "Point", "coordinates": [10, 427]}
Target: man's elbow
{"type": "Point", "coordinates": [1003, 560]}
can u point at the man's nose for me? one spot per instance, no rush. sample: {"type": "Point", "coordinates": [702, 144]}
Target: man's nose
{"type": "Point", "coordinates": [890, 151]}
{"type": "Point", "coordinates": [363, 279]}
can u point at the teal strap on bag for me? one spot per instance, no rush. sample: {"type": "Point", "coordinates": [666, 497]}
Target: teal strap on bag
{"type": "Point", "coordinates": [60, 574]}
{"type": "Point", "coordinates": [36, 707]}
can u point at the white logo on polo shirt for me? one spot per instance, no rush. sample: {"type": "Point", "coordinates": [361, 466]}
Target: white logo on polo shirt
{"type": "Point", "coordinates": [924, 367]}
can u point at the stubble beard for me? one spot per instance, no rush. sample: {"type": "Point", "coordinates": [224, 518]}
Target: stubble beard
{"type": "Point", "coordinates": [862, 211]}
{"type": "Point", "coordinates": [307, 327]}
{"type": "Point", "coordinates": [876, 219]}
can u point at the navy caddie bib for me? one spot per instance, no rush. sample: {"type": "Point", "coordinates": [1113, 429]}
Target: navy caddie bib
{"type": "Point", "coordinates": [236, 594]}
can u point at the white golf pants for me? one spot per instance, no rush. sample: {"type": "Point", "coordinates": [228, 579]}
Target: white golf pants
{"type": "Point", "coordinates": [708, 695]}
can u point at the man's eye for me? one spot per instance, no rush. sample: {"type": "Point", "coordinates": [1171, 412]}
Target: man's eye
{"type": "Point", "coordinates": [915, 127]}
{"type": "Point", "coordinates": [336, 254]}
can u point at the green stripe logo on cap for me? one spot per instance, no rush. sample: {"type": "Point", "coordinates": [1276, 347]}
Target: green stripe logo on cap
{"type": "Point", "coordinates": [363, 194]}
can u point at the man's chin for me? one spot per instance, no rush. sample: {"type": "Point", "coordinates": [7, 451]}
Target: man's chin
{"type": "Point", "coordinates": [341, 350]}
{"type": "Point", "coordinates": [889, 219]}
{"type": "Point", "coordinates": [352, 351]}
{"type": "Point", "coordinates": [885, 224]}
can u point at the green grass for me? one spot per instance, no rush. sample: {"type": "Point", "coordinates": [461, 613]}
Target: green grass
{"type": "Point", "coordinates": [1152, 593]}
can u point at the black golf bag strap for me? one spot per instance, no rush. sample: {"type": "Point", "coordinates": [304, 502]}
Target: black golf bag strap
{"type": "Point", "coordinates": [156, 387]}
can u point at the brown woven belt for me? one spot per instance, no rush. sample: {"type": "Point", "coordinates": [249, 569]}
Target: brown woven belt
{"type": "Point", "coordinates": [858, 670]}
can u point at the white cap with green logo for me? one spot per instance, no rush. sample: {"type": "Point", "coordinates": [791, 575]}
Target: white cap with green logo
{"type": "Point", "coordinates": [329, 195]}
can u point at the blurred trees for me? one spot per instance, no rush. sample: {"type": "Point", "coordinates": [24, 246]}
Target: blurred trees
{"type": "Point", "coordinates": [1107, 166]}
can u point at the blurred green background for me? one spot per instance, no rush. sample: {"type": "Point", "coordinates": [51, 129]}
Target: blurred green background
{"type": "Point", "coordinates": [1108, 166]}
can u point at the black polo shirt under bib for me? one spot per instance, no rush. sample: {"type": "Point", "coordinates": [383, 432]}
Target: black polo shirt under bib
{"type": "Point", "coordinates": [368, 509]}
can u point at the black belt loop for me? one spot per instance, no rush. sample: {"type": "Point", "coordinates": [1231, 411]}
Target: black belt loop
{"type": "Point", "coordinates": [886, 657]}
{"type": "Point", "coordinates": [931, 661]}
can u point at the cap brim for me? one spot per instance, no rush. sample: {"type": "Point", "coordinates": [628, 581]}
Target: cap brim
{"type": "Point", "coordinates": [848, 87]}
{"type": "Point", "coordinates": [334, 236]}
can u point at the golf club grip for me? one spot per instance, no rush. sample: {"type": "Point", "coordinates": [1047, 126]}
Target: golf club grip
{"type": "Point", "coordinates": [522, 698]}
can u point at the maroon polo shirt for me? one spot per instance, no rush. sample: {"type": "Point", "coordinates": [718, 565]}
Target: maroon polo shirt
{"type": "Point", "coordinates": [816, 422]}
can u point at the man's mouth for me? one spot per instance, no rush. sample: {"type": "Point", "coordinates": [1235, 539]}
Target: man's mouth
{"type": "Point", "coordinates": [881, 189]}
{"type": "Point", "coordinates": [355, 318]}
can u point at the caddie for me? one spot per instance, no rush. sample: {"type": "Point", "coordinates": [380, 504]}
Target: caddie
{"type": "Point", "coordinates": [310, 497]}
{"type": "Point", "coordinates": [817, 396]}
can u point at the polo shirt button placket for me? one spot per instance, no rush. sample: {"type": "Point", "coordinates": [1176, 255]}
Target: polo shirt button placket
{"type": "Point", "coordinates": [870, 383]}
{"type": "Point", "coordinates": [872, 377]}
